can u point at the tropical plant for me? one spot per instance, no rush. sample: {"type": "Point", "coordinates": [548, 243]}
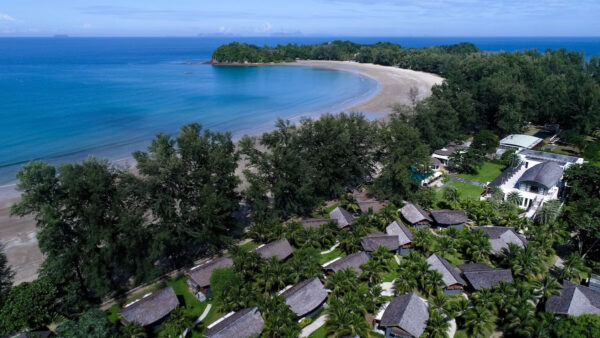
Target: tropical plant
{"type": "Point", "coordinates": [348, 202]}
{"type": "Point", "coordinates": [342, 282]}
{"type": "Point", "coordinates": [478, 321]}
{"type": "Point", "coordinates": [133, 330]}
{"type": "Point", "coordinates": [445, 246]}
{"type": "Point", "coordinates": [383, 257]}
{"type": "Point", "coordinates": [545, 288]}
{"type": "Point", "coordinates": [345, 318]}
{"type": "Point", "coordinates": [514, 198]}
{"type": "Point", "coordinates": [93, 324]}
{"type": "Point", "coordinates": [451, 195]}
{"type": "Point", "coordinates": [349, 242]}
{"type": "Point", "coordinates": [475, 245]}
{"type": "Point", "coordinates": [6, 275]}
{"type": "Point", "coordinates": [437, 326]}
{"type": "Point", "coordinates": [177, 323]}
{"type": "Point", "coordinates": [280, 321]}
{"type": "Point", "coordinates": [574, 268]}
{"type": "Point", "coordinates": [274, 275]}
{"type": "Point", "coordinates": [371, 272]}
{"type": "Point", "coordinates": [548, 213]}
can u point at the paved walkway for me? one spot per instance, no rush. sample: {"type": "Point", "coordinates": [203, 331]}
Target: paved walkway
{"type": "Point", "coordinates": [330, 250]}
{"type": "Point", "coordinates": [387, 289]}
{"type": "Point", "coordinates": [464, 180]}
{"type": "Point", "coordinates": [202, 316]}
{"type": "Point", "coordinates": [314, 326]}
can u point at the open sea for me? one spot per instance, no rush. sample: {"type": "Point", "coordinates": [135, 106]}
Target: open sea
{"type": "Point", "coordinates": [63, 99]}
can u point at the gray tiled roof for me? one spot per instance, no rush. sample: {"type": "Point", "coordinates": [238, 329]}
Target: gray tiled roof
{"type": "Point", "coordinates": [450, 275]}
{"type": "Point", "coordinates": [500, 237]}
{"type": "Point", "coordinates": [486, 279]}
{"type": "Point", "coordinates": [201, 273]}
{"type": "Point", "coordinates": [305, 296]}
{"type": "Point", "coordinates": [371, 243]}
{"type": "Point", "coordinates": [547, 174]}
{"type": "Point", "coordinates": [544, 156]}
{"type": "Point", "coordinates": [242, 324]}
{"type": "Point", "coordinates": [474, 267]}
{"type": "Point", "coordinates": [413, 213]}
{"type": "Point", "coordinates": [151, 308]}
{"type": "Point", "coordinates": [408, 312]}
{"type": "Point", "coordinates": [575, 300]}
{"type": "Point", "coordinates": [371, 204]}
{"type": "Point", "coordinates": [316, 222]}
{"type": "Point", "coordinates": [343, 217]}
{"type": "Point", "coordinates": [280, 248]}
{"type": "Point", "coordinates": [353, 261]}
{"type": "Point", "coordinates": [449, 217]}
{"type": "Point", "coordinates": [446, 151]}
{"type": "Point", "coordinates": [399, 229]}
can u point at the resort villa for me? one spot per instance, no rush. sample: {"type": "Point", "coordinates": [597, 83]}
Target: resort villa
{"type": "Point", "coordinates": [280, 248]}
{"type": "Point", "coordinates": [482, 276]}
{"type": "Point", "coordinates": [372, 242]}
{"type": "Point", "coordinates": [453, 282]}
{"type": "Point", "coordinates": [443, 155]}
{"type": "Point", "coordinates": [415, 216]}
{"type": "Point", "coordinates": [501, 237]}
{"type": "Point", "coordinates": [151, 309]}
{"type": "Point", "coordinates": [343, 217]}
{"type": "Point", "coordinates": [405, 316]}
{"type": "Point", "coordinates": [405, 237]}
{"type": "Point", "coordinates": [575, 300]}
{"type": "Point", "coordinates": [353, 261]}
{"type": "Point", "coordinates": [199, 276]}
{"type": "Point", "coordinates": [449, 218]}
{"type": "Point", "coordinates": [537, 179]}
{"type": "Point", "coordinates": [517, 142]}
{"type": "Point", "coordinates": [245, 323]}
{"type": "Point", "coordinates": [306, 297]}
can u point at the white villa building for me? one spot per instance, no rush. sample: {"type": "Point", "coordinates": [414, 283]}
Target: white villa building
{"type": "Point", "coordinates": [537, 179]}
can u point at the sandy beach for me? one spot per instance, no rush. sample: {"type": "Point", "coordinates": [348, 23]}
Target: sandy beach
{"type": "Point", "coordinates": [396, 86]}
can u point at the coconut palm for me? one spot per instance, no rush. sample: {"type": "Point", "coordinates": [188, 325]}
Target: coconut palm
{"type": "Point", "coordinates": [133, 330]}
{"type": "Point", "coordinates": [451, 195]}
{"type": "Point", "coordinates": [348, 202]}
{"type": "Point", "coordinates": [514, 198]}
{"type": "Point", "coordinates": [306, 264]}
{"type": "Point", "coordinates": [177, 323]}
{"type": "Point", "coordinates": [521, 319]}
{"type": "Point", "coordinates": [574, 268]}
{"type": "Point", "coordinates": [460, 306]}
{"type": "Point", "coordinates": [514, 160]}
{"type": "Point", "coordinates": [273, 275]}
{"type": "Point", "coordinates": [509, 254]}
{"type": "Point", "coordinates": [477, 246]}
{"type": "Point", "coordinates": [246, 263]}
{"type": "Point", "coordinates": [405, 283]}
{"type": "Point", "coordinates": [444, 246]}
{"type": "Point", "coordinates": [478, 321]}
{"type": "Point", "coordinates": [437, 326]}
{"type": "Point", "coordinates": [484, 298]}
{"type": "Point", "coordinates": [342, 282]}
{"type": "Point", "coordinates": [371, 272]}
{"type": "Point", "coordinates": [349, 242]}
{"type": "Point", "coordinates": [344, 321]}
{"type": "Point", "coordinates": [545, 288]}
{"type": "Point", "coordinates": [433, 281]}
{"type": "Point", "coordinates": [280, 321]}
{"type": "Point", "coordinates": [527, 262]}
{"type": "Point", "coordinates": [422, 239]}
{"type": "Point", "coordinates": [548, 213]}
{"type": "Point", "coordinates": [440, 303]}
{"type": "Point", "coordinates": [382, 256]}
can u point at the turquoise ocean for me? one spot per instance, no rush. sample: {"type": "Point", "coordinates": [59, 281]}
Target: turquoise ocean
{"type": "Point", "coordinates": [64, 99]}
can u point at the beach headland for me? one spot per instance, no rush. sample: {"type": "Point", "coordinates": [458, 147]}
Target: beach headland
{"type": "Point", "coordinates": [397, 86]}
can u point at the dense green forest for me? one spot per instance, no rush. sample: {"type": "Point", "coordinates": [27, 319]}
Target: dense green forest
{"type": "Point", "coordinates": [104, 230]}
{"type": "Point", "coordinates": [497, 91]}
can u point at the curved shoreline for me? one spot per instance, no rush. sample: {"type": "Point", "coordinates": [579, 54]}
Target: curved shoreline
{"type": "Point", "coordinates": [18, 234]}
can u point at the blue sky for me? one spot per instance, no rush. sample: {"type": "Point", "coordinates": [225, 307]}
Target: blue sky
{"type": "Point", "coordinates": [306, 17]}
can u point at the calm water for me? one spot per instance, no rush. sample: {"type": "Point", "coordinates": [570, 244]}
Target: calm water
{"type": "Point", "coordinates": [64, 99]}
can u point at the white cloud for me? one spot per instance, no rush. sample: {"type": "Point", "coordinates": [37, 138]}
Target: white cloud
{"type": "Point", "coordinates": [6, 17]}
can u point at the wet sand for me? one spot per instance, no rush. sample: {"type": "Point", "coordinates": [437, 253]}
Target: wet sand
{"type": "Point", "coordinates": [18, 234]}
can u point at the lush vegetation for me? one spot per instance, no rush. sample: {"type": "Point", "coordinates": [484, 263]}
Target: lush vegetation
{"type": "Point", "coordinates": [103, 230]}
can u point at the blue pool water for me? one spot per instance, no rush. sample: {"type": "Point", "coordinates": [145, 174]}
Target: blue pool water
{"type": "Point", "coordinates": [65, 99]}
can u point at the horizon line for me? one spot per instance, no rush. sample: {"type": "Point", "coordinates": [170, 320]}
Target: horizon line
{"type": "Point", "coordinates": [200, 36]}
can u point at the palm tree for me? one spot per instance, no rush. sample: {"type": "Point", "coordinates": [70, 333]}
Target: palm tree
{"type": "Point", "coordinates": [349, 242]}
{"type": "Point", "coordinates": [348, 202]}
{"type": "Point", "coordinates": [273, 276]}
{"type": "Point", "coordinates": [371, 272]}
{"type": "Point", "coordinates": [422, 240]}
{"type": "Point", "coordinates": [509, 254]}
{"type": "Point", "coordinates": [521, 319]}
{"type": "Point", "coordinates": [444, 246]}
{"type": "Point", "coordinates": [280, 321]}
{"type": "Point", "coordinates": [405, 282]}
{"type": "Point", "coordinates": [460, 306]}
{"type": "Point", "coordinates": [246, 263]}
{"type": "Point", "coordinates": [433, 281]}
{"type": "Point", "coordinates": [514, 160]}
{"type": "Point", "coordinates": [527, 262]}
{"type": "Point", "coordinates": [133, 330]}
{"type": "Point", "coordinates": [544, 289]}
{"type": "Point", "coordinates": [477, 245]}
{"type": "Point", "coordinates": [382, 257]}
{"type": "Point", "coordinates": [437, 326]}
{"type": "Point", "coordinates": [451, 195]}
{"type": "Point", "coordinates": [479, 321]}
{"type": "Point", "coordinates": [549, 212]}
{"type": "Point", "coordinates": [484, 298]}
{"type": "Point", "coordinates": [344, 321]}
{"type": "Point", "coordinates": [574, 268]}
{"type": "Point", "coordinates": [177, 323]}
{"type": "Point", "coordinates": [514, 198]}
{"type": "Point", "coordinates": [305, 263]}
{"type": "Point", "coordinates": [440, 303]}
{"type": "Point", "coordinates": [342, 282]}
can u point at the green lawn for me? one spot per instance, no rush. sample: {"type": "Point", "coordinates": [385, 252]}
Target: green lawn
{"type": "Point", "coordinates": [325, 213]}
{"type": "Point", "coordinates": [319, 333]}
{"type": "Point", "coordinates": [486, 173]}
{"type": "Point", "coordinates": [465, 190]}
{"type": "Point", "coordinates": [389, 276]}
{"type": "Point", "coordinates": [249, 246]}
{"type": "Point", "coordinates": [455, 259]}
{"type": "Point", "coordinates": [327, 257]}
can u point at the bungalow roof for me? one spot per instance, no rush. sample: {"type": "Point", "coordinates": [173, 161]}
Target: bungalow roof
{"type": "Point", "coordinates": [280, 248]}
{"type": "Point", "coordinates": [151, 308]}
{"type": "Point", "coordinates": [243, 324]}
{"type": "Point", "coordinates": [305, 296]}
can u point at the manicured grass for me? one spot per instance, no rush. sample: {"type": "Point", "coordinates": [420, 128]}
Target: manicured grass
{"type": "Point", "coordinates": [465, 190]}
{"type": "Point", "coordinates": [325, 213]}
{"type": "Point", "coordinates": [249, 246]}
{"type": "Point", "coordinates": [193, 307]}
{"type": "Point", "coordinates": [319, 333]}
{"type": "Point", "coordinates": [327, 257]}
{"type": "Point", "coordinates": [113, 313]}
{"type": "Point", "coordinates": [455, 259]}
{"type": "Point", "coordinates": [389, 276]}
{"type": "Point", "coordinates": [486, 173]}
